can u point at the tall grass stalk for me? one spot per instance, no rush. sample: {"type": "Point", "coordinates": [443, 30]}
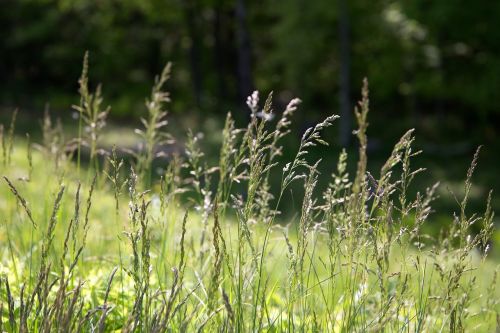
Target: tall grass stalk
{"type": "Point", "coordinates": [153, 133]}
{"type": "Point", "coordinates": [91, 114]}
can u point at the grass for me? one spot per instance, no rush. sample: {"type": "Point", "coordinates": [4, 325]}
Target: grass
{"type": "Point", "coordinates": [104, 247]}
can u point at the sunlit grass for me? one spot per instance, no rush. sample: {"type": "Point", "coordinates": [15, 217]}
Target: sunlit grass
{"type": "Point", "coordinates": [103, 246]}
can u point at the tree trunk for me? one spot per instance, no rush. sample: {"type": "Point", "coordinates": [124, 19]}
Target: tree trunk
{"type": "Point", "coordinates": [245, 83]}
{"type": "Point", "coordinates": [219, 54]}
{"type": "Point", "coordinates": [344, 77]}
{"type": "Point", "coordinates": [194, 49]}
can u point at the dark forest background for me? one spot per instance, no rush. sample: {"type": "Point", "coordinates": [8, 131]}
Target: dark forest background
{"type": "Point", "coordinates": [431, 64]}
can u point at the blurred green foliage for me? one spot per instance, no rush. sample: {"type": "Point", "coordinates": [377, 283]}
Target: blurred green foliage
{"type": "Point", "coordinates": [422, 57]}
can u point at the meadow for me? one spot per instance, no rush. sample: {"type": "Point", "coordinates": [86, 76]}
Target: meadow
{"type": "Point", "coordinates": [92, 241]}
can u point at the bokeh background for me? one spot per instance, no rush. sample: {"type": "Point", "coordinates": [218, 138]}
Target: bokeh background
{"type": "Point", "coordinates": [432, 65]}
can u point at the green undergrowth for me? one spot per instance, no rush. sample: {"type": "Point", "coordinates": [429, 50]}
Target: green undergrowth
{"type": "Point", "coordinates": [105, 247]}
